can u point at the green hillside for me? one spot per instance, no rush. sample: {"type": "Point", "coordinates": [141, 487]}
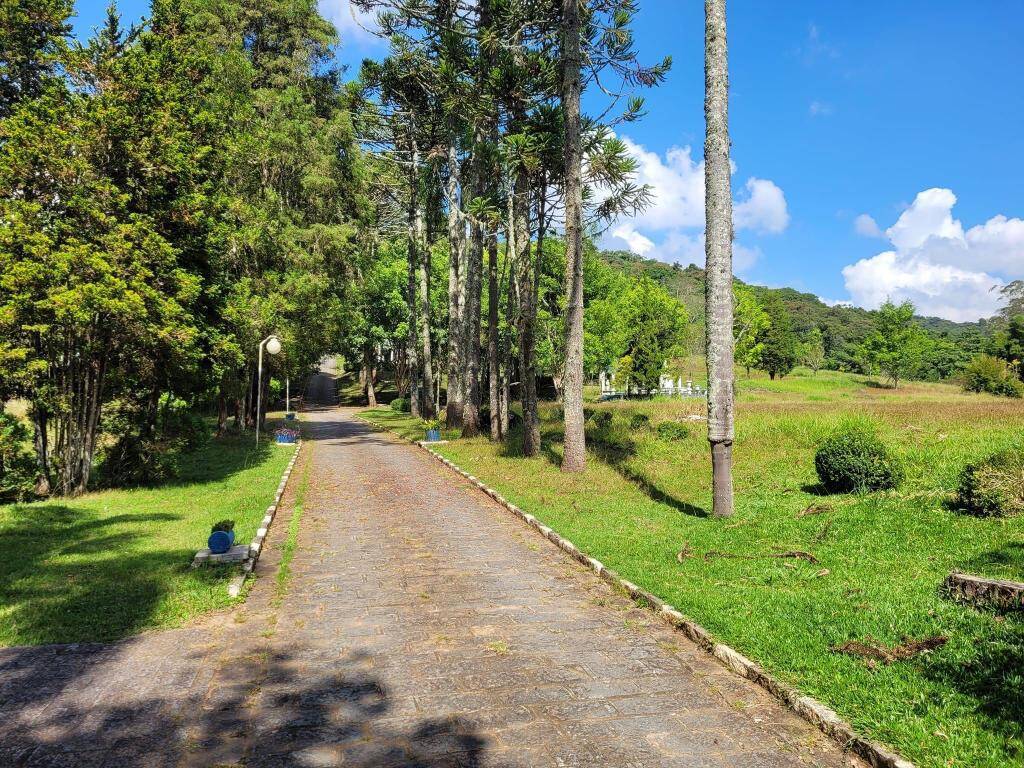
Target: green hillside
{"type": "Point", "coordinates": [840, 325]}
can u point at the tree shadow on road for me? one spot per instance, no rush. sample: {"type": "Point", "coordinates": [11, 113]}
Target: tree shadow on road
{"type": "Point", "coordinates": [265, 710]}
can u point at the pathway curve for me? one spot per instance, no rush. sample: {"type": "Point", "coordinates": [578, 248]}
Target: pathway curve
{"type": "Point", "coordinates": [422, 626]}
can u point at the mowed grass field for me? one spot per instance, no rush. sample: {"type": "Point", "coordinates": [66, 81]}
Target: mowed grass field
{"type": "Point", "coordinates": [881, 557]}
{"type": "Point", "coordinates": [107, 565]}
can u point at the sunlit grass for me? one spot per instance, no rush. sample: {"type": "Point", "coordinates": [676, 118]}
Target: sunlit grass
{"type": "Point", "coordinates": [882, 558]}
{"type": "Point", "coordinates": [106, 565]}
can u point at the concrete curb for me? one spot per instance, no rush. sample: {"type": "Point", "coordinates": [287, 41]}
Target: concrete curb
{"type": "Point", "coordinates": [811, 710]}
{"type": "Point", "coordinates": [256, 545]}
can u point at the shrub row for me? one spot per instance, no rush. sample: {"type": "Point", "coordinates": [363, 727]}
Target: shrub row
{"type": "Point", "coordinates": [854, 459]}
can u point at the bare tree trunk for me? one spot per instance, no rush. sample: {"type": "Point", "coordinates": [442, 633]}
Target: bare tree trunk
{"type": "Point", "coordinates": [523, 264]}
{"type": "Point", "coordinates": [222, 411]}
{"type": "Point", "coordinates": [370, 366]}
{"type": "Point", "coordinates": [40, 424]}
{"type": "Point", "coordinates": [471, 321]}
{"type": "Point", "coordinates": [511, 317]}
{"type": "Point", "coordinates": [493, 362]}
{"type": "Point", "coordinates": [718, 251]}
{"type": "Point", "coordinates": [456, 297]}
{"type": "Point", "coordinates": [428, 410]}
{"type": "Point", "coordinates": [412, 353]}
{"type": "Point", "coordinates": [574, 457]}
{"type": "Point", "coordinates": [471, 317]}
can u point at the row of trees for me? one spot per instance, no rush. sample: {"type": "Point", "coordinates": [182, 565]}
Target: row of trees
{"type": "Point", "coordinates": [173, 193]}
{"type": "Point", "coordinates": [478, 146]}
{"type": "Point", "coordinates": [170, 194]}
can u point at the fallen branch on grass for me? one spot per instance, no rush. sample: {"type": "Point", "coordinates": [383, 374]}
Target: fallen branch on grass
{"type": "Point", "coordinates": [815, 509]}
{"type": "Point", "coordinates": [874, 651]}
{"type": "Point", "coordinates": [795, 554]}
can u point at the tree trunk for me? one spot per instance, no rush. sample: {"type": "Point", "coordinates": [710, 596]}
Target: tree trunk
{"type": "Point", "coordinates": [471, 322]}
{"type": "Point", "coordinates": [718, 252]}
{"type": "Point", "coordinates": [574, 457]}
{"type": "Point", "coordinates": [456, 297]}
{"type": "Point", "coordinates": [40, 438]}
{"type": "Point", "coordinates": [370, 367]}
{"type": "Point", "coordinates": [412, 353]}
{"type": "Point", "coordinates": [426, 366]}
{"type": "Point", "coordinates": [493, 363]}
{"type": "Point", "coordinates": [222, 411]}
{"type": "Point", "coordinates": [523, 264]}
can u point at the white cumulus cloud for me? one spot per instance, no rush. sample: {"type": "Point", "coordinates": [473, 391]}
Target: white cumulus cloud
{"type": "Point", "coordinates": [764, 210]}
{"type": "Point", "coordinates": [867, 226]}
{"type": "Point", "coordinates": [671, 229]}
{"type": "Point", "coordinates": [945, 270]}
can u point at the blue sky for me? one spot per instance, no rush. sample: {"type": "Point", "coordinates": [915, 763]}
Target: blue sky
{"type": "Point", "coordinates": [878, 145]}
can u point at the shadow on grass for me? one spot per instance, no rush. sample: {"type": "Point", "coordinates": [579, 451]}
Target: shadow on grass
{"type": "Point", "coordinates": [1004, 562]}
{"type": "Point", "coordinates": [817, 489]}
{"type": "Point", "coordinates": [617, 459]}
{"type": "Point", "coordinates": [991, 675]}
{"type": "Point", "coordinates": [66, 576]}
{"type": "Point", "coordinates": [269, 712]}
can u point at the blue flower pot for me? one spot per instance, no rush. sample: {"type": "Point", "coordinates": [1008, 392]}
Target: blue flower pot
{"type": "Point", "coordinates": [220, 542]}
{"type": "Point", "coordinates": [285, 439]}
{"type": "Point", "coordinates": [290, 416]}
{"type": "Point", "coordinates": [433, 435]}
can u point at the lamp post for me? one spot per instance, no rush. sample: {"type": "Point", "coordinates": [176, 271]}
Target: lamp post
{"type": "Point", "coordinates": [273, 346]}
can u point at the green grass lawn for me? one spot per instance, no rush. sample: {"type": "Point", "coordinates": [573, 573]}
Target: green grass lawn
{"type": "Point", "coordinates": [881, 557]}
{"type": "Point", "coordinates": [107, 565]}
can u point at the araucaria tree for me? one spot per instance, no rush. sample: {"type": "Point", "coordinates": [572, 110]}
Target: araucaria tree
{"type": "Point", "coordinates": [718, 248]}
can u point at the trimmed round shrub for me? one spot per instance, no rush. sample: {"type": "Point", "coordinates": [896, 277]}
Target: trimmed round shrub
{"type": "Point", "coordinates": [854, 459]}
{"type": "Point", "coordinates": [994, 486]}
{"type": "Point", "coordinates": [401, 405]}
{"type": "Point", "coordinates": [673, 431]}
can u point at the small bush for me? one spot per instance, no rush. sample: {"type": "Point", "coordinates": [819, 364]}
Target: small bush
{"type": "Point", "coordinates": [639, 421]}
{"type": "Point", "coordinates": [610, 430]}
{"type": "Point", "coordinates": [993, 486]}
{"type": "Point", "coordinates": [17, 466]}
{"type": "Point", "coordinates": [400, 405]}
{"type": "Point", "coordinates": [854, 459]}
{"type": "Point", "coordinates": [673, 431]}
{"type": "Point", "coordinates": [986, 373]}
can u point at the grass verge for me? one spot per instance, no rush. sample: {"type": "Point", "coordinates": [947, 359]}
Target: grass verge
{"type": "Point", "coordinates": [107, 565]}
{"type": "Point", "coordinates": [642, 510]}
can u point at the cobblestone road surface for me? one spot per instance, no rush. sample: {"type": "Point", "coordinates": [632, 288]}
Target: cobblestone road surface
{"type": "Point", "coordinates": [422, 626]}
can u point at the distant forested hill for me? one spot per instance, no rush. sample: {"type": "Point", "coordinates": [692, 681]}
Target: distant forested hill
{"type": "Point", "coordinates": [840, 325]}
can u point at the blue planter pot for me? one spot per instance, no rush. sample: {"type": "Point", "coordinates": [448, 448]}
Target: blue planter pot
{"type": "Point", "coordinates": [220, 542]}
{"type": "Point", "coordinates": [285, 439]}
{"type": "Point", "coordinates": [290, 416]}
{"type": "Point", "coordinates": [433, 435]}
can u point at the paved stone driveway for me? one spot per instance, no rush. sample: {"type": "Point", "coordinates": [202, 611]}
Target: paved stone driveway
{"type": "Point", "coordinates": [423, 626]}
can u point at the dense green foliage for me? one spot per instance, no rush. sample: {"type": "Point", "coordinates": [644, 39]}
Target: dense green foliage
{"type": "Point", "coordinates": [17, 468]}
{"type": "Point", "coordinates": [993, 486]}
{"type": "Point", "coordinates": [944, 349]}
{"type": "Point", "coordinates": [171, 195]}
{"type": "Point", "coordinates": [778, 341]}
{"type": "Point", "coordinates": [986, 373]}
{"type": "Point", "coordinates": [854, 459]}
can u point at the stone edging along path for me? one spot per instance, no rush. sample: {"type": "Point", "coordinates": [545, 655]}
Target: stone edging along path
{"type": "Point", "coordinates": [811, 710]}
{"type": "Point", "coordinates": [256, 546]}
